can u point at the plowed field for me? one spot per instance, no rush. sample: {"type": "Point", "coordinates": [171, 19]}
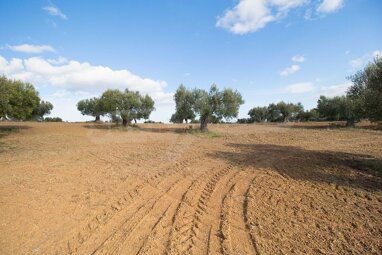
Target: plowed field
{"type": "Point", "coordinates": [156, 189]}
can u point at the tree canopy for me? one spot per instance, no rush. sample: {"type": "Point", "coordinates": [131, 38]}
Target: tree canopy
{"type": "Point", "coordinates": [211, 106]}
{"type": "Point", "coordinates": [42, 109]}
{"type": "Point", "coordinates": [92, 107]}
{"type": "Point", "coordinates": [366, 91]}
{"type": "Point", "coordinates": [258, 114]}
{"type": "Point", "coordinates": [20, 100]}
{"type": "Point", "coordinates": [126, 105]}
{"type": "Point", "coordinates": [184, 101]}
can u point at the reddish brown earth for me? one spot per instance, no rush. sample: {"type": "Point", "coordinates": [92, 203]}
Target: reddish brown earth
{"type": "Point", "coordinates": [244, 189]}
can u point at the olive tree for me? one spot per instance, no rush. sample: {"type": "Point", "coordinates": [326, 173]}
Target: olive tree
{"type": "Point", "coordinates": [146, 106]}
{"type": "Point", "coordinates": [215, 104]}
{"type": "Point", "coordinates": [127, 105]}
{"type": "Point", "coordinates": [340, 108]}
{"type": "Point", "coordinates": [283, 111]}
{"type": "Point", "coordinates": [258, 114]}
{"type": "Point", "coordinates": [184, 105]}
{"type": "Point", "coordinates": [92, 107]}
{"type": "Point", "coordinates": [42, 109]}
{"type": "Point", "coordinates": [366, 91]}
{"type": "Point", "coordinates": [17, 99]}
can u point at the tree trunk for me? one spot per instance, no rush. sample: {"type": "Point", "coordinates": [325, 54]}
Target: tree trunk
{"type": "Point", "coordinates": [186, 121]}
{"type": "Point", "coordinates": [350, 122]}
{"type": "Point", "coordinates": [124, 122]}
{"type": "Point", "coordinates": [135, 121]}
{"type": "Point", "coordinates": [97, 118]}
{"type": "Point", "coordinates": [203, 124]}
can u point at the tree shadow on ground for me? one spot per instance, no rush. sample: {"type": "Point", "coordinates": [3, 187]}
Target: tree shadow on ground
{"type": "Point", "coordinates": [140, 127]}
{"type": "Point", "coordinates": [345, 169]}
{"type": "Point", "coordinates": [315, 125]}
{"type": "Point", "coordinates": [329, 125]}
{"type": "Point", "coordinates": [8, 129]}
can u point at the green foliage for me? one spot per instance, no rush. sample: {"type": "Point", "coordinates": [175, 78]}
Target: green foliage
{"type": "Point", "coordinates": [284, 111]}
{"type": "Point", "coordinates": [215, 105]}
{"type": "Point", "coordinates": [126, 105]}
{"type": "Point", "coordinates": [308, 115]}
{"type": "Point", "coordinates": [211, 106]}
{"type": "Point", "coordinates": [92, 107]}
{"type": "Point", "coordinates": [340, 108]}
{"type": "Point", "coordinates": [17, 99]}
{"type": "Point", "coordinates": [152, 122]}
{"type": "Point", "coordinates": [53, 119]}
{"type": "Point", "coordinates": [175, 118]}
{"type": "Point", "coordinates": [366, 91]}
{"type": "Point", "coordinates": [332, 108]}
{"type": "Point", "coordinates": [257, 114]}
{"type": "Point", "coordinates": [43, 108]}
{"type": "Point", "coordinates": [280, 112]}
{"type": "Point", "coordinates": [244, 120]}
{"type": "Point", "coordinates": [184, 105]}
{"type": "Point", "coordinates": [145, 108]}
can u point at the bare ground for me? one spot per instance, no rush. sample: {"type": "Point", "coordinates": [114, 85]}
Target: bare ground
{"type": "Point", "coordinates": [244, 189]}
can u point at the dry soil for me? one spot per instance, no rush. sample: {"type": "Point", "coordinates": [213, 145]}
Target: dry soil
{"type": "Point", "coordinates": [157, 189]}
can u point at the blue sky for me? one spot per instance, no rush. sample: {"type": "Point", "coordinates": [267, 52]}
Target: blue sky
{"type": "Point", "coordinates": [269, 50]}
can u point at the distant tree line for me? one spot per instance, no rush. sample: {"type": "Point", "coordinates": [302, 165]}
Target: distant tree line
{"type": "Point", "coordinates": [53, 119]}
{"type": "Point", "coordinates": [280, 112]}
{"type": "Point", "coordinates": [20, 101]}
{"type": "Point", "coordinates": [124, 106]}
{"type": "Point", "coordinates": [363, 100]}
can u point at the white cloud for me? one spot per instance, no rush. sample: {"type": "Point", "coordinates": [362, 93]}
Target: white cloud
{"type": "Point", "coordinates": [358, 62]}
{"type": "Point", "coordinates": [328, 6]}
{"type": "Point", "coordinates": [54, 11]}
{"type": "Point", "coordinates": [335, 90]}
{"type": "Point", "coordinates": [76, 78]}
{"type": "Point", "coordinates": [298, 88]}
{"type": "Point", "coordinates": [363, 60]}
{"type": "Point", "coordinates": [377, 53]}
{"type": "Point", "coordinates": [252, 15]}
{"type": "Point", "coordinates": [298, 58]}
{"type": "Point", "coordinates": [290, 70]}
{"type": "Point", "coordinates": [58, 61]}
{"type": "Point", "coordinates": [30, 48]}
{"type": "Point", "coordinates": [187, 74]}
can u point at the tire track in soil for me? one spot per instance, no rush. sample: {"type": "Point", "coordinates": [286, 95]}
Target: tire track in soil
{"type": "Point", "coordinates": [140, 241]}
{"type": "Point", "coordinates": [77, 240]}
{"type": "Point", "coordinates": [235, 238]}
{"type": "Point", "coordinates": [248, 223]}
{"type": "Point", "coordinates": [165, 176]}
{"type": "Point", "coordinates": [114, 242]}
{"type": "Point", "coordinates": [192, 219]}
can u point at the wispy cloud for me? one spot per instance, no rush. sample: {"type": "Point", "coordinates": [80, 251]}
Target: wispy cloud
{"type": "Point", "coordinates": [290, 70]}
{"type": "Point", "coordinates": [298, 88]}
{"type": "Point", "coordinates": [363, 60]}
{"type": "Point", "coordinates": [29, 48]}
{"type": "Point", "coordinates": [58, 61]}
{"type": "Point", "coordinates": [298, 58]}
{"type": "Point", "coordinates": [54, 11]}
{"type": "Point", "coordinates": [252, 15]}
{"type": "Point", "coordinates": [377, 53]}
{"type": "Point", "coordinates": [328, 6]}
{"type": "Point", "coordinates": [335, 90]}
